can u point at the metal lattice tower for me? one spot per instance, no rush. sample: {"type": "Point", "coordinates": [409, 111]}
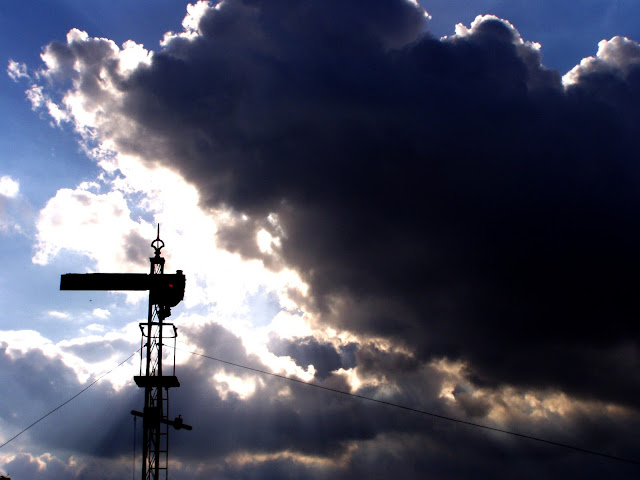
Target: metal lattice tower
{"type": "Point", "coordinates": [155, 416]}
{"type": "Point", "coordinates": [165, 291]}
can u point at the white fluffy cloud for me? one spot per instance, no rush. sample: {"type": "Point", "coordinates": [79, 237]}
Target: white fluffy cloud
{"type": "Point", "coordinates": [9, 187]}
{"type": "Point", "coordinates": [101, 313]}
{"type": "Point", "coordinates": [17, 70]}
{"type": "Point", "coordinates": [14, 208]}
{"type": "Point", "coordinates": [97, 225]}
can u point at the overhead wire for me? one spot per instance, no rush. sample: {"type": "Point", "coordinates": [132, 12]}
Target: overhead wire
{"type": "Point", "coordinates": [342, 392]}
{"type": "Point", "coordinates": [416, 410]}
{"type": "Point", "coordinates": [70, 399]}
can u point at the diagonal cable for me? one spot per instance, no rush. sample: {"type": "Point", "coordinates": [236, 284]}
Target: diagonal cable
{"type": "Point", "coordinates": [72, 398]}
{"type": "Point", "coordinates": [422, 412]}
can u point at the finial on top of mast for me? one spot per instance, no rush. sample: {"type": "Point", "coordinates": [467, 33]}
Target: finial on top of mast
{"type": "Point", "coordinates": [157, 244]}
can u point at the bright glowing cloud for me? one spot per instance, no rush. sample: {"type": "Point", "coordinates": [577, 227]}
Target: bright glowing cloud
{"type": "Point", "coordinates": [228, 383]}
{"type": "Point", "coordinates": [9, 187]}
{"type": "Point", "coordinates": [101, 313]}
{"type": "Point", "coordinates": [191, 22]}
{"type": "Point", "coordinates": [618, 56]}
{"type": "Point", "coordinates": [97, 225]}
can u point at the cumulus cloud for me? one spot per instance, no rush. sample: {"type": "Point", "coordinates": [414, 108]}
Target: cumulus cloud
{"type": "Point", "coordinates": [619, 56]}
{"type": "Point", "coordinates": [12, 207]}
{"type": "Point", "coordinates": [429, 201]}
{"type": "Point", "coordinates": [9, 187]}
{"type": "Point", "coordinates": [98, 225]}
{"type": "Point", "coordinates": [101, 313]}
{"type": "Point", "coordinates": [444, 223]}
{"type": "Point", "coordinates": [16, 70]}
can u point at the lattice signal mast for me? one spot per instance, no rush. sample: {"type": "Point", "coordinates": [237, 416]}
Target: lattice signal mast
{"type": "Point", "coordinates": [165, 291]}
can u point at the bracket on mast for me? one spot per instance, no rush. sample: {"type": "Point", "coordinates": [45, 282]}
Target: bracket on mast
{"type": "Point", "coordinates": [177, 423]}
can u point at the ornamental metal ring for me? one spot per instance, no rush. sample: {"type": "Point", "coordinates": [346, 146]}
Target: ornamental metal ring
{"type": "Point", "coordinates": [159, 242]}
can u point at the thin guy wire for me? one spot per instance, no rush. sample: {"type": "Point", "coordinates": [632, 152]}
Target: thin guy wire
{"type": "Point", "coordinates": [423, 412]}
{"type": "Point", "coordinates": [72, 398]}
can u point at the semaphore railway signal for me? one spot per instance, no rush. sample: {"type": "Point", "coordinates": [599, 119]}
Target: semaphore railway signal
{"type": "Point", "coordinates": [165, 292]}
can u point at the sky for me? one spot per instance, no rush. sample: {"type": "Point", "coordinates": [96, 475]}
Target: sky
{"type": "Point", "coordinates": [429, 204]}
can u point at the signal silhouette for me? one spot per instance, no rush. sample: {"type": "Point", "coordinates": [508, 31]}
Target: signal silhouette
{"type": "Point", "coordinates": [165, 291]}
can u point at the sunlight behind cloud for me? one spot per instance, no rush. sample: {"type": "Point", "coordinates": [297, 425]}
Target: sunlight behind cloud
{"type": "Point", "coordinates": [618, 56]}
{"type": "Point", "coordinates": [324, 173]}
{"type": "Point", "coordinates": [97, 225]}
{"type": "Point", "coordinates": [190, 22]}
{"type": "Point", "coordinates": [226, 383]}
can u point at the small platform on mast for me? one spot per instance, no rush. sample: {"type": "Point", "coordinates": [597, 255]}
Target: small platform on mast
{"type": "Point", "coordinates": [155, 381]}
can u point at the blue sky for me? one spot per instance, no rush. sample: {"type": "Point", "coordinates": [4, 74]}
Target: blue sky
{"type": "Point", "coordinates": [380, 217]}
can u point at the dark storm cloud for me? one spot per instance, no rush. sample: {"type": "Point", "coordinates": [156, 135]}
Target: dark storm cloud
{"type": "Point", "coordinates": [25, 466]}
{"type": "Point", "coordinates": [286, 430]}
{"type": "Point", "coordinates": [28, 377]}
{"type": "Point", "coordinates": [278, 416]}
{"type": "Point", "coordinates": [34, 384]}
{"type": "Point", "coordinates": [308, 351]}
{"type": "Point", "coordinates": [449, 194]}
{"type": "Point", "coordinates": [308, 433]}
{"type": "Point", "coordinates": [276, 431]}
